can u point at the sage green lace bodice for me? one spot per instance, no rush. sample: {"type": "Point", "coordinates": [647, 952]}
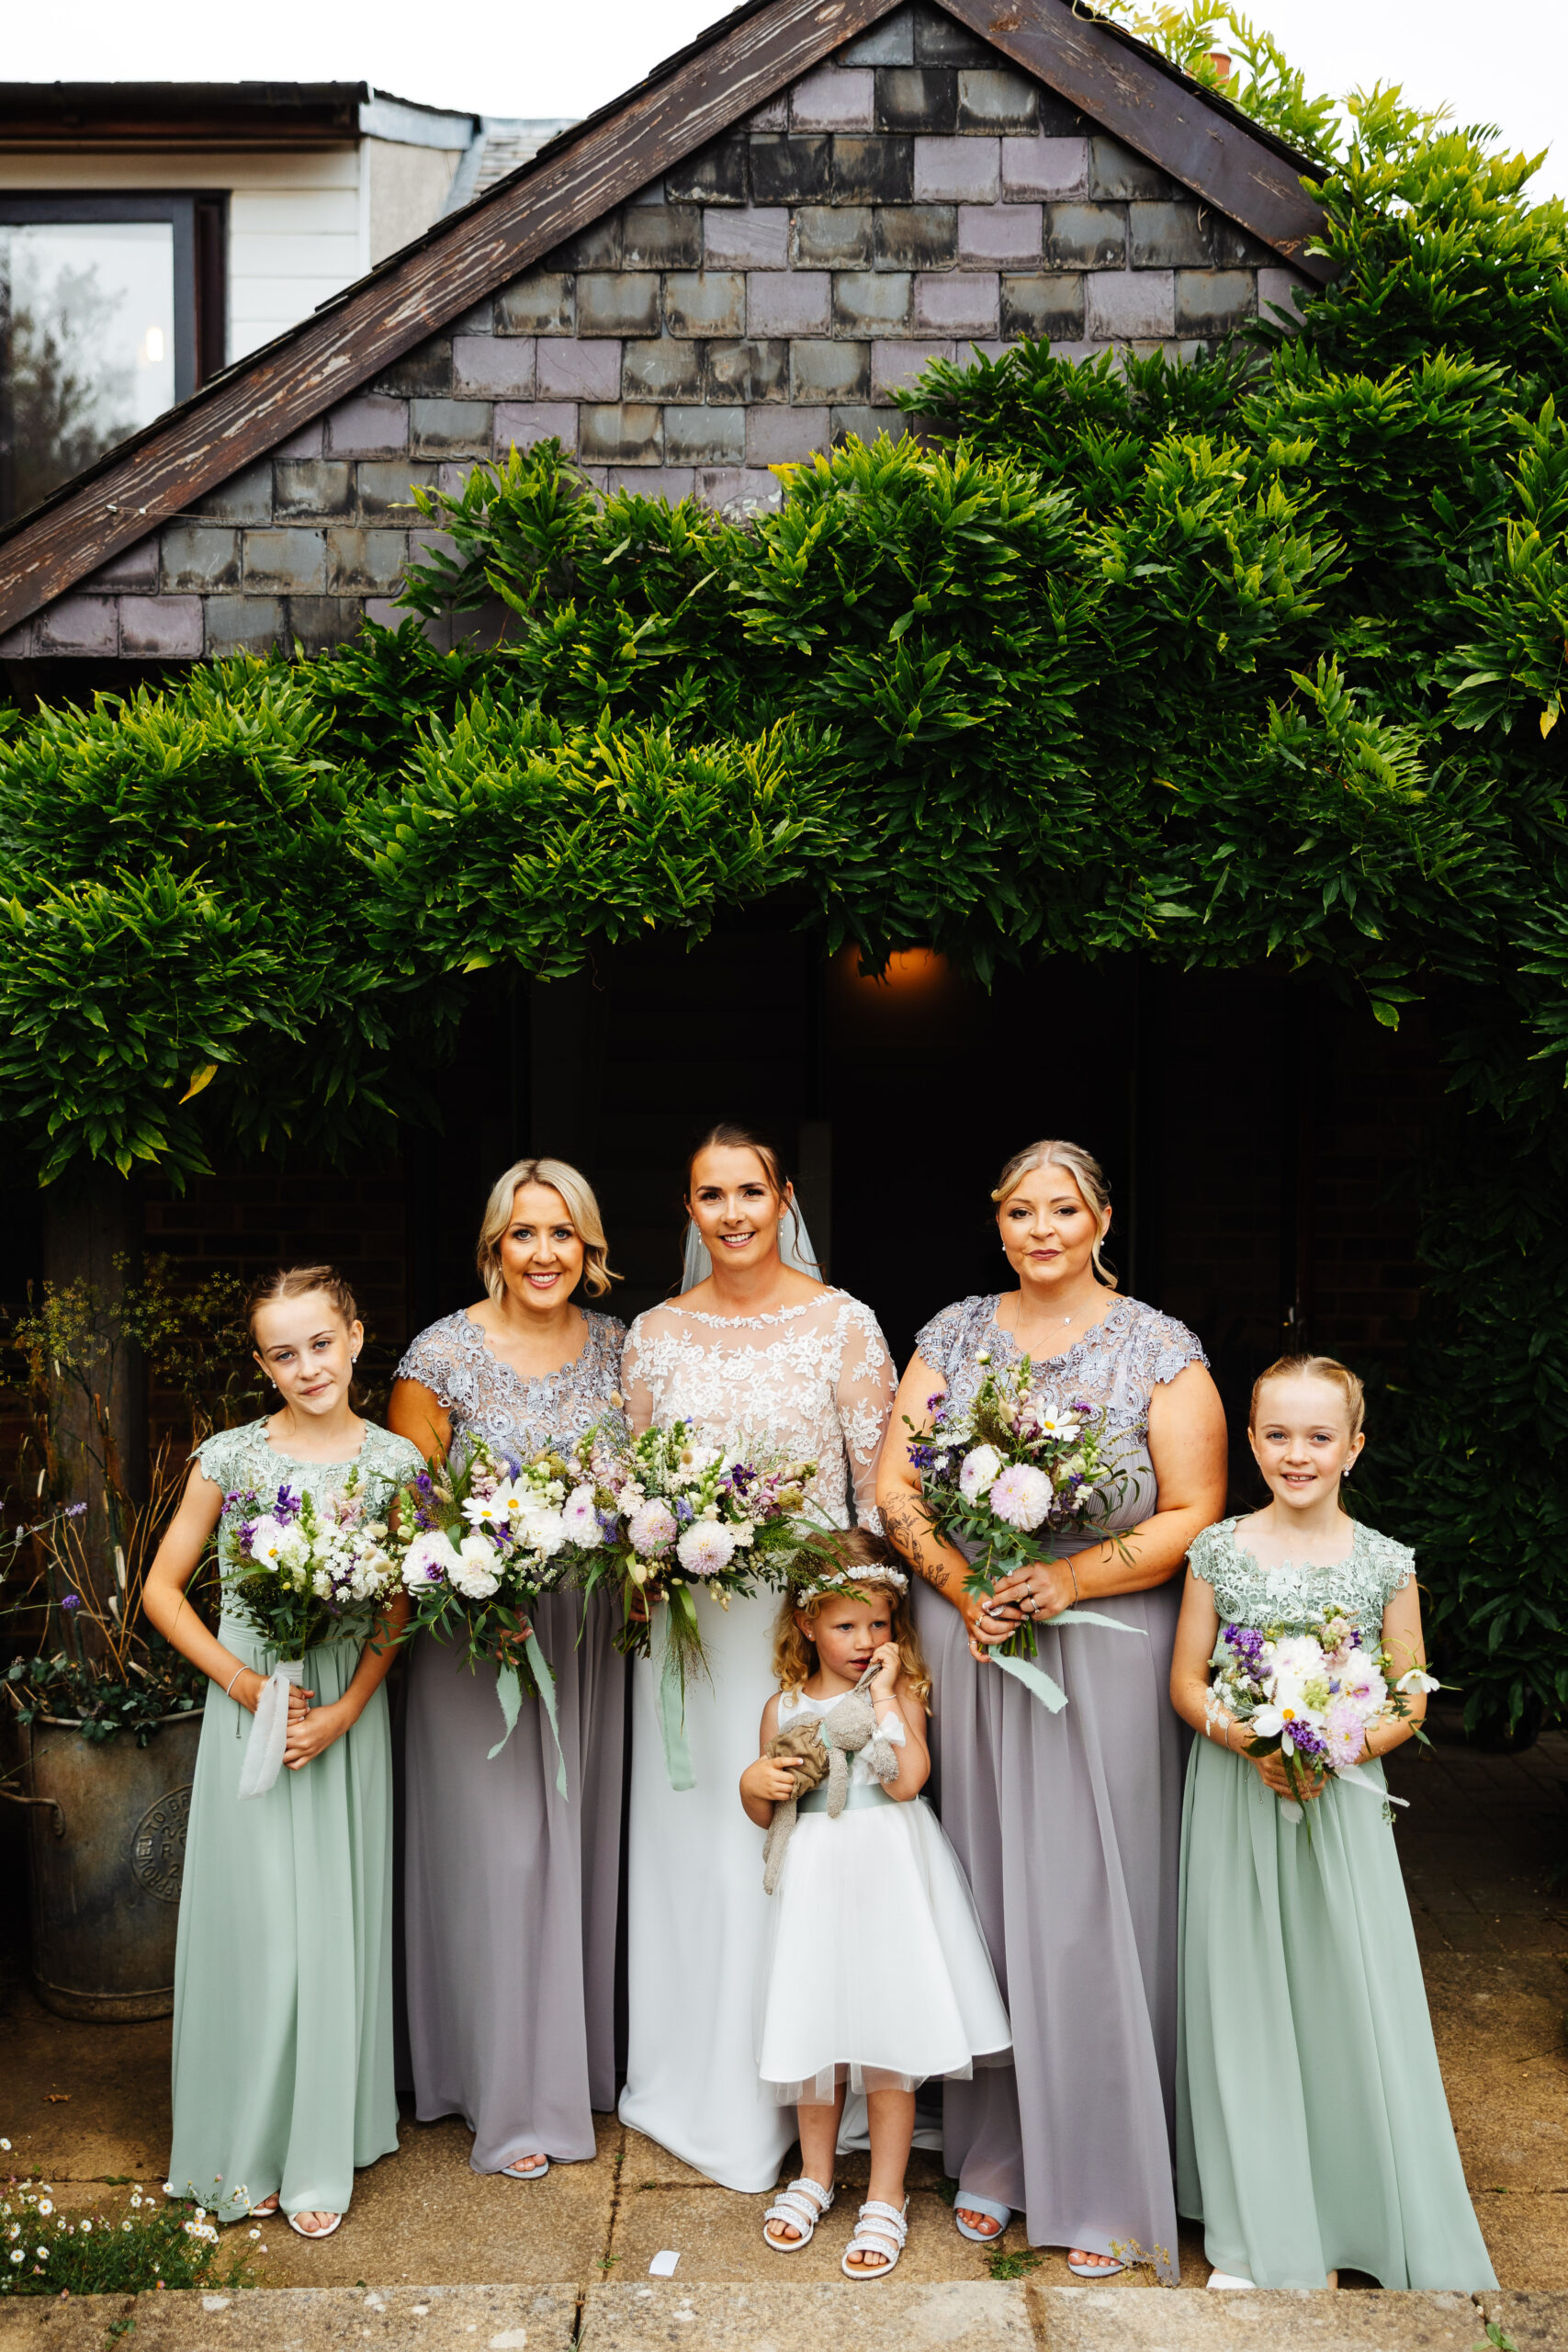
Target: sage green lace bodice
{"type": "Point", "coordinates": [1247, 1593]}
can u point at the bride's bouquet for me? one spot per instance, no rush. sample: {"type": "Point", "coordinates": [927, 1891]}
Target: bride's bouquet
{"type": "Point", "coordinates": [477, 1544]}
{"type": "Point", "coordinates": [1003, 1475]}
{"type": "Point", "coordinates": [659, 1516]}
{"type": "Point", "coordinates": [302, 1572]}
{"type": "Point", "coordinates": [1307, 1691]}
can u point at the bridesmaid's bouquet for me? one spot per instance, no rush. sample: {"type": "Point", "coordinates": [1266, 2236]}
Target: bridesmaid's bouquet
{"type": "Point", "coordinates": [1307, 1691]}
{"type": "Point", "coordinates": [1003, 1475]}
{"type": "Point", "coordinates": [659, 1516]}
{"type": "Point", "coordinates": [478, 1541]}
{"type": "Point", "coordinates": [302, 1572]}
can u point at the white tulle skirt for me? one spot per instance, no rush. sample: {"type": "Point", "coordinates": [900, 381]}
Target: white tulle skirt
{"type": "Point", "coordinates": [874, 1971]}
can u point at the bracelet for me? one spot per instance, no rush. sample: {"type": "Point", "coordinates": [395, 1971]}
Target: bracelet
{"type": "Point", "coordinates": [1074, 1574]}
{"type": "Point", "coordinates": [234, 1678]}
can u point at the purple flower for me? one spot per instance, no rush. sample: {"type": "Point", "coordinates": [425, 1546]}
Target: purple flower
{"type": "Point", "coordinates": [288, 1505]}
{"type": "Point", "coordinates": [72, 1601]}
{"type": "Point", "coordinates": [1307, 1741]}
{"type": "Point", "coordinates": [684, 1510]}
{"type": "Point", "coordinates": [935, 1404]}
{"type": "Point", "coordinates": [922, 1456]}
{"type": "Point", "coordinates": [75, 1511]}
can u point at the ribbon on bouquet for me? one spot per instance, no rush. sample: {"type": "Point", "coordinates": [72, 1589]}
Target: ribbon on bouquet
{"type": "Point", "coordinates": [1045, 1688]}
{"type": "Point", "coordinates": [671, 1691]}
{"type": "Point", "coordinates": [1356, 1774]}
{"type": "Point", "coordinates": [508, 1690]}
{"type": "Point", "coordinates": [263, 1759]}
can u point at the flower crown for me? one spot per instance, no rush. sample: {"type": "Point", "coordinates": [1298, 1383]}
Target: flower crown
{"type": "Point", "coordinates": [848, 1579]}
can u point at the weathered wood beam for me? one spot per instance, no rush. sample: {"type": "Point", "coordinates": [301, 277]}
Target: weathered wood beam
{"type": "Point", "coordinates": [1159, 115]}
{"type": "Point", "coordinates": [285, 386]}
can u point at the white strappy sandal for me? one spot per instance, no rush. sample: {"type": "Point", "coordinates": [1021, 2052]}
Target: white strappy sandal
{"type": "Point", "coordinates": [799, 2207]}
{"type": "Point", "coordinates": [880, 2229]}
{"type": "Point", "coordinates": [314, 2237]}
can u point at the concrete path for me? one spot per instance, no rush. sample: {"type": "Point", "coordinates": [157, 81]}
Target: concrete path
{"type": "Point", "coordinates": [784, 2317]}
{"type": "Point", "coordinates": [86, 2109]}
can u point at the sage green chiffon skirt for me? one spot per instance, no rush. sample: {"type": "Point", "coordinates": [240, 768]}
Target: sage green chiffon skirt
{"type": "Point", "coordinates": [1313, 2130]}
{"type": "Point", "coordinates": [283, 1969]}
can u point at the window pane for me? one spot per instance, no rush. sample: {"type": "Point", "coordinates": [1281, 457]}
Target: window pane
{"type": "Point", "coordinates": [87, 338]}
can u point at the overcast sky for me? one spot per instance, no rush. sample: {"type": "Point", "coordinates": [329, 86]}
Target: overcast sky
{"type": "Point", "coordinates": [1506, 62]}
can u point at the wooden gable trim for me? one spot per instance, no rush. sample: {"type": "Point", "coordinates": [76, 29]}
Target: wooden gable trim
{"type": "Point", "coordinates": [724, 76]}
{"type": "Point", "coordinates": [1207, 145]}
{"type": "Point", "coordinates": [286, 385]}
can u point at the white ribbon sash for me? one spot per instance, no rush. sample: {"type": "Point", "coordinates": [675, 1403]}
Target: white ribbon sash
{"type": "Point", "coordinates": [263, 1759]}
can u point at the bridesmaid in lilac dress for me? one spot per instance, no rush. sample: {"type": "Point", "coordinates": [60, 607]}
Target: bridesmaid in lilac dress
{"type": "Point", "coordinates": [511, 1889]}
{"type": "Point", "coordinates": [1068, 1824]}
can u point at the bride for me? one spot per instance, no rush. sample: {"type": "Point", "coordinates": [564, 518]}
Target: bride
{"type": "Point", "coordinates": [756, 1353]}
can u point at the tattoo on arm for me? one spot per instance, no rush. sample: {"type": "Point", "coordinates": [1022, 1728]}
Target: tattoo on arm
{"type": "Point", "coordinates": [909, 1531]}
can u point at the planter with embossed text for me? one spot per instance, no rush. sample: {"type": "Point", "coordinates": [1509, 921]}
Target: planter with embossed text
{"type": "Point", "coordinates": [107, 1842]}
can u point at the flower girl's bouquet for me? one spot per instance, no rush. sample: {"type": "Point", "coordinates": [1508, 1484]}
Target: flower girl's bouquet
{"type": "Point", "coordinates": [662, 1514]}
{"type": "Point", "coordinates": [1003, 1475]}
{"type": "Point", "coordinates": [478, 1543]}
{"type": "Point", "coordinates": [302, 1572]}
{"type": "Point", "coordinates": [1307, 1691]}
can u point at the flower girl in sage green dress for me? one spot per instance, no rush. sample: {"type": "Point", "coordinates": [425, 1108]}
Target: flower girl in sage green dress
{"type": "Point", "coordinates": [1312, 2133]}
{"type": "Point", "coordinates": [283, 1994]}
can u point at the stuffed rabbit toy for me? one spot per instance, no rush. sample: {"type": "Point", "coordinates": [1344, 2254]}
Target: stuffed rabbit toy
{"type": "Point", "coordinates": [820, 1747]}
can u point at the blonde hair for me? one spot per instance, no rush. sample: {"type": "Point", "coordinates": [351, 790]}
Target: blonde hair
{"type": "Point", "coordinates": [581, 1207]}
{"type": "Point", "coordinates": [299, 1281]}
{"type": "Point", "coordinates": [1087, 1174]}
{"type": "Point", "coordinates": [1314, 1368]}
{"type": "Point", "coordinates": [795, 1652]}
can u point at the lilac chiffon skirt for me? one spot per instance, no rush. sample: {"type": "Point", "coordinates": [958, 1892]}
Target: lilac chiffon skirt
{"type": "Point", "coordinates": [1069, 1827]}
{"type": "Point", "coordinates": [511, 1894]}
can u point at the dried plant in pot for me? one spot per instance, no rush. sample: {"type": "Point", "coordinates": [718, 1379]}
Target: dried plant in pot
{"type": "Point", "coordinates": [103, 1718]}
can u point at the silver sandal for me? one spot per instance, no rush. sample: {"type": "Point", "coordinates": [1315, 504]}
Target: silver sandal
{"type": "Point", "coordinates": [799, 2207]}
{"type": "Point", "coordinates": [880, 2229]}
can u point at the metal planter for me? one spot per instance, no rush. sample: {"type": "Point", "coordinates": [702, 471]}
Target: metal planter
{"type": "Point", "coordinates": [107, 1840]}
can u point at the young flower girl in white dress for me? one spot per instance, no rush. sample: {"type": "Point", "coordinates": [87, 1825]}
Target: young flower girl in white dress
{"type": "Point", "coordinates": [875, 1976]}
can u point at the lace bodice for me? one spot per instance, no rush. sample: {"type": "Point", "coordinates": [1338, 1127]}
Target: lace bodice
{"type": "Point", "coordinates": [1115, 1367]}
{"type": "Point", "coordinates": [1247, 1593]}
{"type": "Point", "coordinates": [241, 1462]}
{"type": "Point", "coordinates": [812, 1382]}
{"type": "Point", "coordinates": [516, 1417]}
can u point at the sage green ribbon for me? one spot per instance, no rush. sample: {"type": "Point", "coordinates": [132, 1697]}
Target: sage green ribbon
{"type": "Point", "coordinates": [673, 1697]}
{"type": "Point", "coordinates": [508, 1690]}
{"type": "Point", "coordinates": [1049, 1691]}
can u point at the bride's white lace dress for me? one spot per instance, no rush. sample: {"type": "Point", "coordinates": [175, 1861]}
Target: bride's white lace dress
{"type": "Point", "coordinates": [813, 1382]}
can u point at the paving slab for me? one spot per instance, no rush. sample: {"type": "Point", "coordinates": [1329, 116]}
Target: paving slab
{"type": "Point", "coordinates": [719, 2238]}
{"type": "Point", "coordinates": [789, 2316]}
{"type": "Point", "coordinates": [647, 2166]}
{"type": "Point", "coordinates": [304, 2319]}
{"type": "Point", "coordinates": [83, 2100]}
{"type": "Point", "coordinates": [1096, 2319]}
{"type": "Point", "coordinates": [1527, 2238]}
{"type": "Point", "coordinates": [1499, 2027]}
{"type": "Point", "coordinates": [425, 2216]}
{"type": "Point", "coordinates": [1535, 2322]}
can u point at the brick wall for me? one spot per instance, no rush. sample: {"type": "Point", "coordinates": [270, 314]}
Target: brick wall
{"type": "Point", "coordinates": [912, 198]}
